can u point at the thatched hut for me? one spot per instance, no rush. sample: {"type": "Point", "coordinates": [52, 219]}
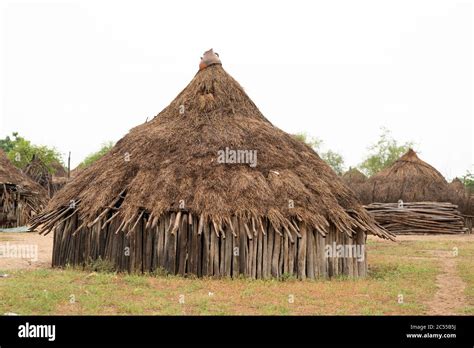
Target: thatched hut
{"type": "Point", "coordinates": [20, 197]}
{"type": "Point", "coordinates": [461, 196]}
{"type": "Point", "coordinates": [356, 180]}
{"type": "Point", "coordinates": [58, 170]}
{"type": "Point", "coordinates": [210, 187]}
{"type": "Point", "coordinates": [59, 176]}
{"type": "Point", "coordinates": [412, 197]}
{"type": "Point", "coordinates": [52, 180]}
{"type": "Point", "coordinates": [464, 199]}
{"type": "Point", "coordinates": [37, 171]}
{"type": "Point", "coordinates": [409, 179]}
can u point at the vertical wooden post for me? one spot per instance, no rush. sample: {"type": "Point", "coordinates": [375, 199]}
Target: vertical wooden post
{"type": "Point", "coordinates": [259, 254]}
{"type": "Point", "coordinates": [302, 252]}
{"type": "Point", "coordinates": [206, 260]}
{"type": "Point", "coordinates": [172, 245]}
{"type": "Point", "coordinates": [235, 248]}
{"type": "Point", "coordinates": [242, 247]}
{"type": "Point", "coordinates": [215, 252]}
{"type": "Point", "coordinates": [182, 234]}
{"type": "Point", "coordinates": [310, 253]}
{"type": "Point", "coordinates": [349, 266]}
{"type": "Point", "coordinates": [276, 253]}
{"type": "Point", "coordinates": [229, 238]}
{"type": "Point", "coordinates": [265, 258]}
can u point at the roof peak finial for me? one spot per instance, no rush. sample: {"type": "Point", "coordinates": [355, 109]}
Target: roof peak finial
{"type": "Point", "coordinates": [209, 58]}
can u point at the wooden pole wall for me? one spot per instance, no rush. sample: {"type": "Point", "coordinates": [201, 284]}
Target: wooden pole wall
{"type": "Point", "coordinates": [153, 247]}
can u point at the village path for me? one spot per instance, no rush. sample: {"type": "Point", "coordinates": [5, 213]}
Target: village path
{"type": "Point", "coordinates": [449, 297]}
{"type": "Point", "coordinates": [31, 241]}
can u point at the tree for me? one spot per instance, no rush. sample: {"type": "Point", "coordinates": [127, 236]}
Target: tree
{"type": "Point", "coordinates": [468, 181]}
{"type": "Point", "coordinates": [91, 158]}
{"type": "Point", "coordinates": [21, 151]}
{"type": "Point", "coordinates": [335, 160]}
{"type": "Point", "coordinates": [383, 153]}
{"type": "Point", "coordinates": [315, 143]}
{"type": "Point", "coordinates": [7, 144]}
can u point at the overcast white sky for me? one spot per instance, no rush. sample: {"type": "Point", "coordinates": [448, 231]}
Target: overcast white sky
{"type": "Point", "coordinates": [74, 74]}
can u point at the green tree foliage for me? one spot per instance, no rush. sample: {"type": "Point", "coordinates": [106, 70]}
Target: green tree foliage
{"type": "Point", "coordinates": [315, 143]}
{"type": "Point", "coordinates": [383, 153]}
{"type": "Point", "coordinates": [8, 143]}
{"type": "Point", "coordinates": [468, 181]}
{"type": "Point", "coordinates": [20, 152]}
{"type": "Point", "coordinates": [91, 158]}
{"type": "Point", "coordinates": [335, 160]}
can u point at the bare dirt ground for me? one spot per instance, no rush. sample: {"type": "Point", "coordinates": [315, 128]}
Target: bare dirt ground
{"type": "Point", "coordinates": [450, 294]}
{"type": "Point", "coordinates": [44, 245]}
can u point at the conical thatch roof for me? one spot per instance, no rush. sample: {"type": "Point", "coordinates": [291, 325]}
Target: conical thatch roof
{"type": "Point", "coordinates": [20, 197]}
{"type": "Point", "coordinates": [9, 174]}
{"type": "Point", "coordinates": [58, 170]}
{"type": "Point", "coordinates": [356, 181]}
{"type": "Point", "coordinates": [37, 171]}
{"type": "Point", "coordinates": [409, 179]}
{"type": "Point", "coordinates": [457, 186]}
{"type": "Point", "coordinates": [354, 176]}
{"type": "Point", "coordinates": [51, 180]}
{"type": "Point", "coordinates": [461, 196]}
{"type": "Point", "coordinates": [174, 159]}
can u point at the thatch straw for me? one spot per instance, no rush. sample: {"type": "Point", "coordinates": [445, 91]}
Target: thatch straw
{"type": "Point", "coordinates": [58, 170]}
{"type": "Point", "coordinates": [458, 194]}
{"type": "Point", "coordinates": [39, 172]}
{"type": "Point", "coordinates": [356, 181]}
{"type": "Point", "coordinates": [354, 176]}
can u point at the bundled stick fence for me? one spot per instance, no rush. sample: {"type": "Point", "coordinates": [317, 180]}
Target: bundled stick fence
{"type": "Point", "coordinates": [418, 218]}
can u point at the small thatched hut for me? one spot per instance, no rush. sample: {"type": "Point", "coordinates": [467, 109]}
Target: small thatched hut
{"type": "Point", "coordinates": [356, 180]}
{"type": "Point", "coordinates": [58, 170]}
{"type": "Point", "coordinates": [210, 187]}
{"type": "Point", "coordinates": [37, 171]}
{"type": "Point", "coordinates": [411, 196]}
{"type": "Point", "coordinates": [20, 197]}
{"type": "Point", "coordinates": [461, 196]}
{"type": "Point", "coordinates": [50, 179]}
{"type": "Point", "coordinates": [409, 179]}
{"type": "Point", "coordinates": [464, 200]}
{"type": "Point", "coordinates": [59, 176]}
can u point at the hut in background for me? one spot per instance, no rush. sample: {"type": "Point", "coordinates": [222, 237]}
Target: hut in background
{"type": "Point", "coordinates": [37, 171]}
{"type": "Point", "coordinates": [412, 197]}
{"type": "Point", "coordinates": [51, 180]}
{"type": "Point", "coordinates": [356, 181]}
{"type": "Point", "coordinates": [461, 196]}
{"type": "Point", "coordinates": [59, 170]}
{"type": "Point", "coordinates": [409, 179]}
{"type": "Point", "coordinates": [59, 176]}
{"type": "Point", "coordinates": [210, 187]}
{"type": "Point", "coordinates": [20, 197]}
{"type": "Point", "coordinates": [464, 200]}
